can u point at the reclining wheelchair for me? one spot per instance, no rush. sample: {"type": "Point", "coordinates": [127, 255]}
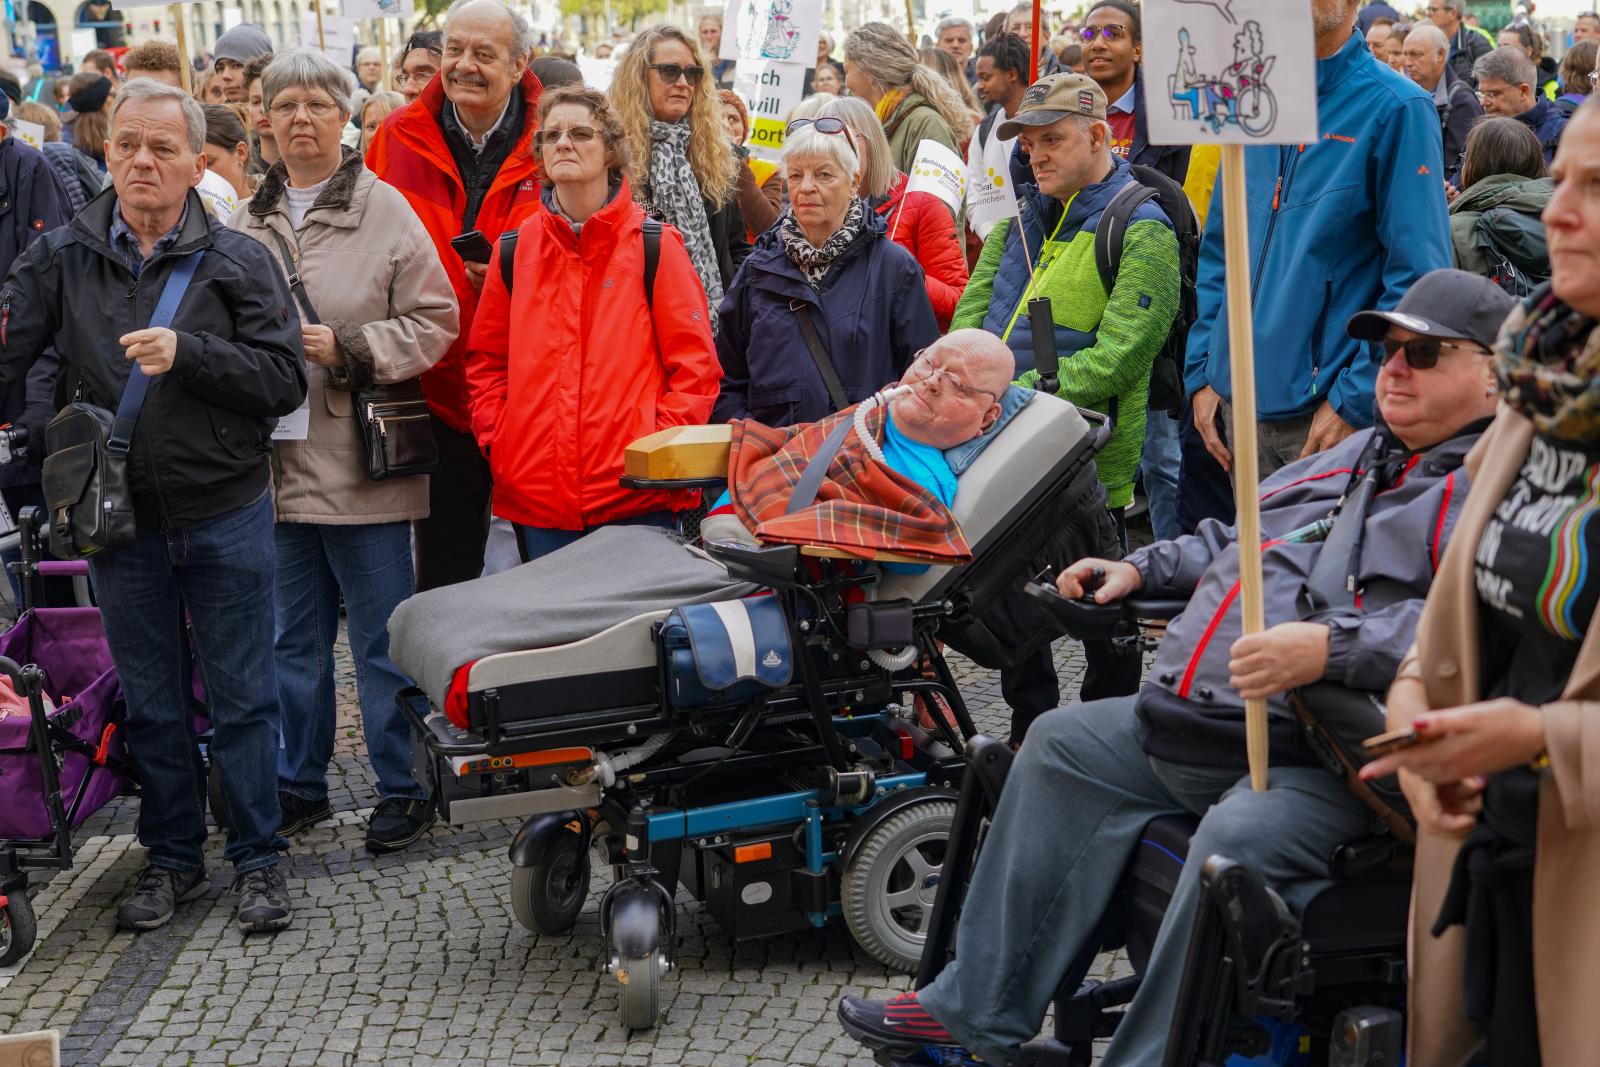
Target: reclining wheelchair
{"type": "Point", "coordinates": [779, 806]}
{"type": "Point", "coordinates": [1260, 984]}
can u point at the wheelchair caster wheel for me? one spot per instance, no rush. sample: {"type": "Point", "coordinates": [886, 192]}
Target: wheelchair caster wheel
{"type": "Point", "coordinates": [887, 891]}
{"type": "Point", "coordinates": [18, 927]}
{"type": "Point", "coordinates": [547, 896]}
{"type": "Point", "coordinates": [639, 989]}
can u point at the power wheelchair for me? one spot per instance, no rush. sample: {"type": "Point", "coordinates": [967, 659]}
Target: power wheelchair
{"type": "Point", "coordinates": [1261, 985]}
{"type": "Point", "coordinates": [779, 806]}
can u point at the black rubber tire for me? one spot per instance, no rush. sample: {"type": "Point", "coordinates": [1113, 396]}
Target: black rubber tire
{"type": "Point", "coordinates": [639, 991]}
{"type": "Point", "coordinates": [547, 897]}
{"type": "Point", "coordinates": [891, 881]}
{"type": "Point", "coordinates": [18, 927]}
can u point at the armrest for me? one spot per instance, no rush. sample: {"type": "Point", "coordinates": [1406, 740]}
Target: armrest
{"type": "Point", "coordinates": [679, 457]}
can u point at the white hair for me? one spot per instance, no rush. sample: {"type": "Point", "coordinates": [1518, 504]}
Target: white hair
{"type": "Point", "coordinates": [809, 143]}
{"type": "Point", "coordinates": [1430, 35]}
{"type": "Point", "coordinates": [951, 23]}
{"type": "Point", "coordinates": [368, 55]}
{"type": "Point", "coordinates": [148, 89]}
{"type": "Point", "coordinates": [521, 42]}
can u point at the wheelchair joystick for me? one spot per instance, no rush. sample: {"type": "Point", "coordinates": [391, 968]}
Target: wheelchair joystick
{"type": "Point", "coordinates": [1041, 323]}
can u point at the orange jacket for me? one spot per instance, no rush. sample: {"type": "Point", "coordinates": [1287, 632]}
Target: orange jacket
{"type": "Point", "coordinates": [928, 231]}
{"type": "Point", "coordinates": [572, 366]}
{"type": "Point", "coordinates": [409, 152]}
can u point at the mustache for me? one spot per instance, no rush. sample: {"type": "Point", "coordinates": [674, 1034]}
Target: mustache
{"type": "Point", "coordinates": [469, 79]}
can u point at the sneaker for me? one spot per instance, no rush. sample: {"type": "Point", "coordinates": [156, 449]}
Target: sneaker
{"type": "Point", "coordinates": [901, 1028]}
{"type": "Point", "coordinates": [263, 904]}
{"type": "Point", "coordinates": [158, 892]}
{"type": "Point", "coordinates": [397, 822]}
{"type": "Point", "coordinates": [299, 814]}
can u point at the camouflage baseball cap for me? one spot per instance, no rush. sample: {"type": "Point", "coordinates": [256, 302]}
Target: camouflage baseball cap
{"type": "Point", "coordinates": [1052, 99]}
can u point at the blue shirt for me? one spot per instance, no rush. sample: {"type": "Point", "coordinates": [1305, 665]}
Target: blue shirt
{"type": "Point", "coordinates": [125, 243]}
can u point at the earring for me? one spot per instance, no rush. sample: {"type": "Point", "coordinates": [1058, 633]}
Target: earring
{"type": "Point", "coordinates": [1492, 389]}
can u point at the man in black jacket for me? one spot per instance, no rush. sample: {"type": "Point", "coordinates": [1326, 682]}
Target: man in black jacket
{"type": "Point", "coordinates": [229, 365]}
{"type": "Point", "coordinates": [1467, 45]}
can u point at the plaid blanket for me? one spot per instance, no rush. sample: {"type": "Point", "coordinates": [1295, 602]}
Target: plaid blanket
{"type": "Point", "coordinates": [862, 507]}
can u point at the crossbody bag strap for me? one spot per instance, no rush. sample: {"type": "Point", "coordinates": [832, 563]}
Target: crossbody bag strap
{"type": "Point", "coordinates": [296, 286]}
{"type": "Point", "coordinates": [819, 355]}
{"type": "Point", "coordinates": [138, 381]}
{"type": "Point", "coordinates": [810, 483]}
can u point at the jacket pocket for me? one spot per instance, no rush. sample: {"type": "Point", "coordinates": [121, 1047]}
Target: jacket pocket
{"type": "Point", "coordinates": [1319, 332]}
{"type": "Point", "coordinates": [238, 436]}
{"type": "Point", "coordinates": [338, 402]}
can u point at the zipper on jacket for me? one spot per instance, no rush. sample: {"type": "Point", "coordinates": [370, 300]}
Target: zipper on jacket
{"type": "Point", "coordinates": [1321, 329]}
{"type": "Point", "coordinates": [1286, 166]}
{"type": "Point", "coordinates": [5, 316]}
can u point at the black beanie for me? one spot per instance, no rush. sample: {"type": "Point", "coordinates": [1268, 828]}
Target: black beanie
{"type": "Point", "coordinates": [91, 97]}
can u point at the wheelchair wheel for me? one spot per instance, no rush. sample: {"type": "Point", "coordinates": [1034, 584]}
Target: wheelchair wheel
{"type": "Point", "coordinates": [18, 927]}
{"type": "Point", "coordinates": [639, 990]}
{"type": "Point", "coordinates": [547, 896]}
{"type": "Point", "coordinates": [887, 891]}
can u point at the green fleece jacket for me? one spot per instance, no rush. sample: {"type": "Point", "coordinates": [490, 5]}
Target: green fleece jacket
{"type": "Point", "coordinates": [1106, 342]}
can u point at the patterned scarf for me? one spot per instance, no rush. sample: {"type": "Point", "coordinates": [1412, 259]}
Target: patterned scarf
{"type": "Point", "coordinates": [815, 262]}
{"type": "Point", "coordinates": [1548, 364]}
{"type": "Point", "coordinates": [674, 197]}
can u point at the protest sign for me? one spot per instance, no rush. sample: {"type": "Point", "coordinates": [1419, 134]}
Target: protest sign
{"type": "Point", "coordinates": [1230, 72]}
{"type": "Point", "coordinates": [29, 133]}
{"type": "Point", "coordinates": [938, 170]}
{"type": "Point", "coordinates": [785, 31]}
{"type": "Point", "coordinates": [377, 9]}
{"type": "Point", "coordinates": [597, 73]}
{"type": "Point", "coordinates": [337, 34]}
{"type": "Point", "coordinates": [990, 195]}
{"type": "Point", "coordinates": [770, 91]}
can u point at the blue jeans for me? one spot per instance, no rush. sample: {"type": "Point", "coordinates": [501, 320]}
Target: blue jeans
{"type": "Point", "coordinates": [538, 541]}
{"type": "Point", "coordinates": [219, 570]}
{"type": "Point", "coordinates": [371, 565]}
{"type": "Point", "coordinates": [1158, 469]}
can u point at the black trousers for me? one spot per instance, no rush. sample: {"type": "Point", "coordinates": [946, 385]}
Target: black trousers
{"type": "Point", "coordinates": [1110, 670]}
{"type": "Point", "coordinates": [450, 540]}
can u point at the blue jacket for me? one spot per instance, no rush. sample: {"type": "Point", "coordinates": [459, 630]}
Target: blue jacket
{"type": "Point", "coordinates": [1336, 227]}
{"type": "Point", "coordinates": [1547, 121]}
{"type": "Point", "coordinates": [872, 315]}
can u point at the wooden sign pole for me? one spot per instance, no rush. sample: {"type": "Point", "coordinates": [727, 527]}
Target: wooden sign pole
{"type": "Point", "coordinates": [1246, 479]}
{"type": "Point", "coordinates": [911, 25]}
{"type": "Point", "coordinates": [383, 53]}
{"type": "Point", "coordinates": [185, 61]}
{"type": "Point", "coordinates": [322, 38]}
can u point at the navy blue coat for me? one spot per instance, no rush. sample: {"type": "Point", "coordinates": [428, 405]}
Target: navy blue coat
{"type": "Point", "coordinates": [872, 315]}
{"type": "Point", "coordinates": [1547, 123]}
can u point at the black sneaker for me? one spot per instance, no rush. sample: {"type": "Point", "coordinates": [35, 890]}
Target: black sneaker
{"type": "Point", "coordinates": [396, 822]}
{"type": "Point", "coordinates": [263, 904]}
{"type": "Point", "coordinates": [159, 891]}
{"type": "Point", "coordinates": [300, 814]}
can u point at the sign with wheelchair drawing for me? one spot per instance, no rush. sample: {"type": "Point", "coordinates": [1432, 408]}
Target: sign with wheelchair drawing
{"type": "Point", "coordinates": [1230, 71]}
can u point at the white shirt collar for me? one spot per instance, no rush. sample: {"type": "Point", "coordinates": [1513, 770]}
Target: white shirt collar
{"type": "Point", "coordinates": [477, 143]}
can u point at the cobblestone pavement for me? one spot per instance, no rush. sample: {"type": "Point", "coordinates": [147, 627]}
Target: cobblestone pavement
{"type": "Point", "coordinates": [416, 958]}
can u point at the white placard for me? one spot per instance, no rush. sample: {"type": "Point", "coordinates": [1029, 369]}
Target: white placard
{"type": "Point", "coordinates": [377, 9]}
{"type": "Point", "coordinates": [29, 133]}
{"type": "Point", "coordinates": [770, 91]}
{"type": "Point", "coordinates": [83, 42]}
{"type": "Point", "coordinates": [597, 73]}
{"type": "Point", "coordinates": [785, 31]}
{"type": "Point", "coordinates": [338, 35]}
{"type": "Point", "coordinates": [1230, 72]}
{"type": "Point", "coordinates": [990, 195]}
{"type": "Point", "coordinates": [938, 170]}
{"type": "Point", "coordinates": [151, 3]}
{"type": "Point", "coordinates": [295, 426]}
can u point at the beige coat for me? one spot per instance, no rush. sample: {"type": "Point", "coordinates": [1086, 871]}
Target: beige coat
{"type": "Point", "coordinates": [373, 276]}
{"type": "Point", "coordinates": [1566, 922]}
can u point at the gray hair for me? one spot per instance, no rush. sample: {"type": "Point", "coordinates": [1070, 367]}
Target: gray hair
{"type": "Point", "coordinates": [1430, 35]}
{"type": "Point", "coordinates": [808, 143]}
{"type": "Point", "coordinates": [521, 32]}
{"type": "Point", "coordinates": [368, 55]}
{"type": "Point", "coordinates": [304, 69]}
{"type": "Point", "coordinates": [1509, 65]}
{"type": "Point", "coordinates": [1458, 6]}
{"type": "Point", "coordinates": [888, 59]}
{"type": "Point", "coordinates": [859, 115]}
{"type": "Point", "coordinates": [951, 23]}
{"type": "Point", "coordinates": [810, 107]}
{"type": "Point", "coordinates": [150, 90]}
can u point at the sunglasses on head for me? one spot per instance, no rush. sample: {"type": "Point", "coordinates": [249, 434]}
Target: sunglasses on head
{"type": "Point", "coordinates": [671, 72]}
{"type": "Point", "coordinates": [1110, 33]}
{"type": "Point", "coordinates": [1422, 353]}
{"type": "Point", "coordinates": [823, 125]}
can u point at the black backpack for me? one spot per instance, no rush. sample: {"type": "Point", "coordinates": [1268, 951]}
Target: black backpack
{"type": "Point", "coordinates": [652, 258]}
{"type": "Point", "coordinates": [1514, 245]}
{"type": "Point", "coordinates": [1166, 373]}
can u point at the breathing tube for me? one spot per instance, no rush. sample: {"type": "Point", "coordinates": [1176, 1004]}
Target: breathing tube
{"type": "Point", "coordinates": [609, 768]}
{"type": "Point", "coordinates": [889, 661]}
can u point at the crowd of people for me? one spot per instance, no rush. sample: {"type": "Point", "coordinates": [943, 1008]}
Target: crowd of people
{"type": "Point", "coordinates": [526, 273]}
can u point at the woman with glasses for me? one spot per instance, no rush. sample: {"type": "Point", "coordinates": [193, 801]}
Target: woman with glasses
{"type": "Point", "coordinates": [577, 358]}
{"type": "Point", "coordinates": [827, 310]}
{"type": "Point", "coordinates": [1495, 224]}
{"type": "Point", "coordinates": [913, 102]}
{"type": "Point", "coordinates": [684, 171]}
{"type": "Point", "coordinates": [1502, 689]}
{"type": "Point", "coordinates": [376, 308]}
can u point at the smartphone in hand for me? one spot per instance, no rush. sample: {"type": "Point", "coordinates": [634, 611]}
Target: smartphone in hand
{"type": "Point", "coordinates": [1393, 741]}
{"type": "Point", "coordinates": [472, 247]}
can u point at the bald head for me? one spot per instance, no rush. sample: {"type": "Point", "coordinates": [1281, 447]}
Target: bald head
{"type": "Point", "coordinates": [989, 360]}
{"type": "Point", "coordinates": [494, 17]}
{"type": "Point", "coordinates": [956, 385]}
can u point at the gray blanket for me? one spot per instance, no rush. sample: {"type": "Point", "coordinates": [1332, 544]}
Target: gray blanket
{"type": "Point", "coordinates": [608, 577]}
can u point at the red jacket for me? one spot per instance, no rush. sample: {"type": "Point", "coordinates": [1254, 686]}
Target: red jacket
{"type": "Point", "coordinates": [572, 366]}
{"type": "Point", "coordinates": [409, 152]}
{"type": "Point", "coordinates": [928, 232]}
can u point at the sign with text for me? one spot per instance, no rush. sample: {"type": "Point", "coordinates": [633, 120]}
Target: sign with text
{"type": "Point", "coordinates": [29, 133]}
{"type": "Point", "coordinates": [1230, 72]}
{"type": "Point", "coordinates": [338, 35]}
{"type": "Point", "coordinates": [377, 9]}
{"type": "Point", "coordinates": [990, 195]}
{"type": "Point", "coordinates": [938, 170]}
{"type": "Point", "coordinates": [770, 91]}
{"type": "Point", "coordinates": [784, 31]}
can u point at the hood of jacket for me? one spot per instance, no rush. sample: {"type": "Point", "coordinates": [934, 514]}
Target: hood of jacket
{"type": "Point", "coordinates": [1527, 195]}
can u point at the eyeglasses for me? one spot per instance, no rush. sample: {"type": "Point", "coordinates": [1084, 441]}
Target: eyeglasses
{"type": "Point", "coordinates": [317, 109]}
{"type": "Point", "coordinates": [1489, 96]}
{"type": "Point", "coordinates": [1110, 33]}
{"type": "Point", "coordinates": [923, 369]}
{"type": "Point", "coordinates": [823, 125]}
{"type": "Point", "coordinates": [671, 72]}
{"type": "Point", "coordinates": [1422, 353]}
{"type": "Point", "coordinates": [576, 134]}
{"type": "Point", "coordinates": [422, 76]}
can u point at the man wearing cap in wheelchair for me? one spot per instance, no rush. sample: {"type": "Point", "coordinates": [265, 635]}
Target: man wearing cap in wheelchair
{"type": "Point", "coordinates": [1342, 601]}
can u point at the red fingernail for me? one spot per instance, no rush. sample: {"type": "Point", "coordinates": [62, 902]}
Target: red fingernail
{"type": "Point", "coordinates": [1421, 723]}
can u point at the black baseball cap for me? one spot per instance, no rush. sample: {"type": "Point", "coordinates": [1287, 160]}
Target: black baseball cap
{"type": "Point", "coordinates": [1451, 305]}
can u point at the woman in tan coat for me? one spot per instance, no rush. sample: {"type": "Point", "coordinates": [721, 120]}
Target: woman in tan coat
{"type": "Point", "coordinates": [1503, 690]}
{"type": "Point", "coordinates": [378, 309]}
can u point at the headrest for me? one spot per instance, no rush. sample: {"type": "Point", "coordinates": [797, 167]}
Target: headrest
{"type": "Point", "coordinates": [1013, 400]}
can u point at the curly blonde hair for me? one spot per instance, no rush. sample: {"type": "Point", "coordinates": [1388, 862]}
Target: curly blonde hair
{"type": "Point", "coordinates": [710, 156]}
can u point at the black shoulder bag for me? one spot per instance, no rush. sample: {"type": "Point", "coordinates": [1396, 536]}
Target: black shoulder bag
{"type": "Point", "coordinates": [85, 476]}
{"type": "Point", "coordinates": [393, 419]}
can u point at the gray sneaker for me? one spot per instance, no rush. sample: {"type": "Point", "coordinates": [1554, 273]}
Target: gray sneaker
{"type": "Point", "coordinates": [263, 904]}
{"type": "Point", "coordinates": [158, 892]}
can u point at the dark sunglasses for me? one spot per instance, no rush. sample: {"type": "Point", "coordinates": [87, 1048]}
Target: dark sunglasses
{"type": "Point", "coordinates": [671, 72]}
{"type": "Point", "coordinates": [823, 125]}
{"type": "Point", "coordinates": [1422, 353]}
{"type": "Point", "coordinates": [1110, 33]}
{"type": "Point", "coordinates": [577, 135]}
